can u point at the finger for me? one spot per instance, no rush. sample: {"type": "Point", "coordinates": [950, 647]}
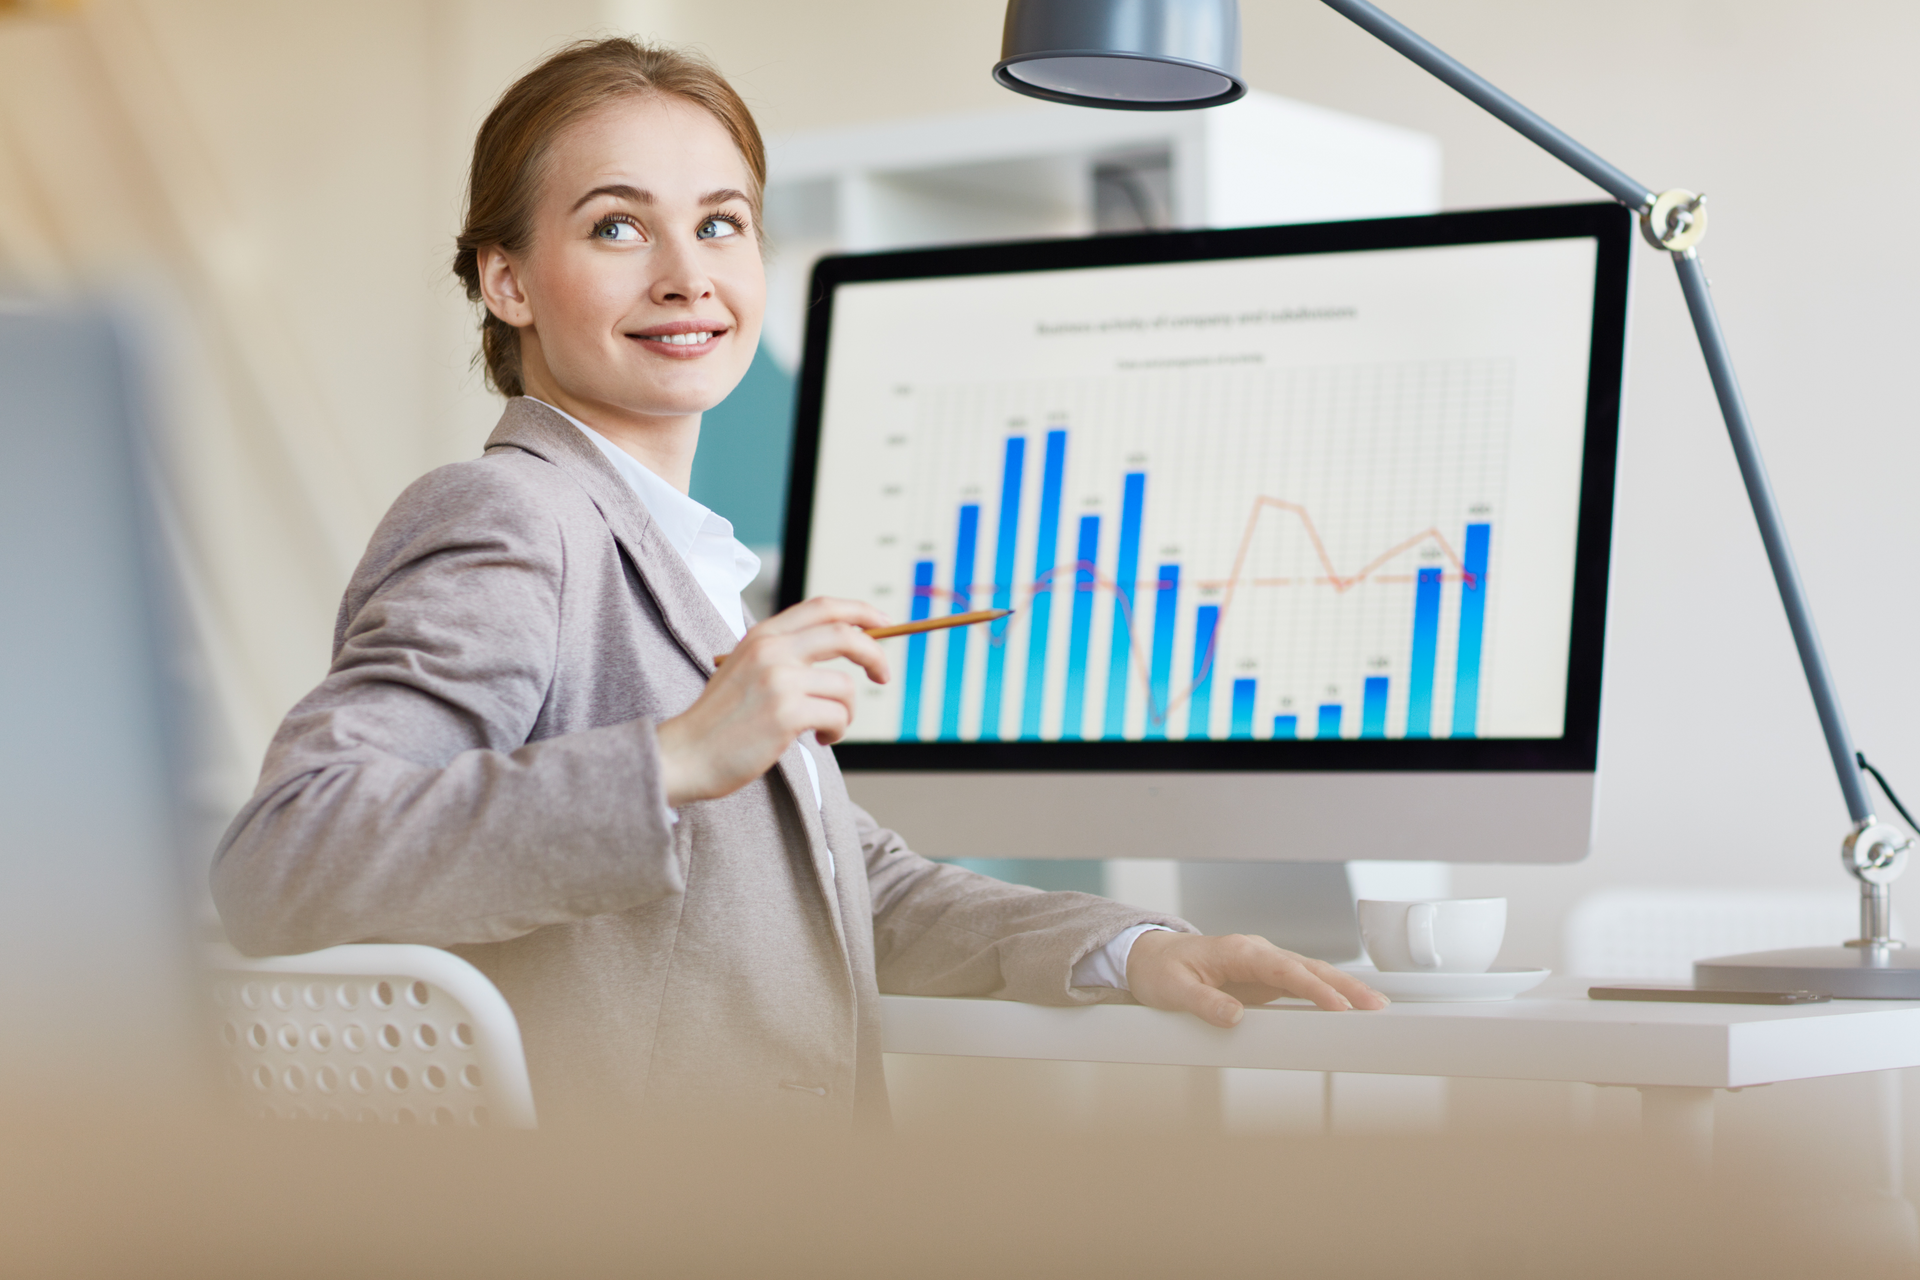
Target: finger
{"type": "Point", "coordinates": [1362, 995]}
{"type": "Point", "coordinates": [1295, 973]}
{"type": "Point", "coordinates": [825, 685]}
{"type": "Point", "coordinates": [821, 610]}
{"type": "Point", "coordinates": [1320, 991]}
{"type": "Point", "coordinates": [1257, 960]}
{"type": "Point", "coordinates": [838, 640]}
{"type": "Point", "coordinates": [1209, 1004]}
{"type": "Point", "coordinates": [821, 701]}
{"type": "Point", "coordinates": [831, 722]}
{"type": "Point", "coordinates": [1325, 985]}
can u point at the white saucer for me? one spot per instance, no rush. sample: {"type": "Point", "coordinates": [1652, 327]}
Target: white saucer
{"type": "Point", "coordinates": [1437, 988]}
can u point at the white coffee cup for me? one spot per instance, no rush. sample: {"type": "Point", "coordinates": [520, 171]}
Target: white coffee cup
{"type": "Point", "coordinates": [1450, 935]}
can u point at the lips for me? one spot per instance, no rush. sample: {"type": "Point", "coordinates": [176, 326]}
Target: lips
{"type": "Point", "coordinates": [682, 338]}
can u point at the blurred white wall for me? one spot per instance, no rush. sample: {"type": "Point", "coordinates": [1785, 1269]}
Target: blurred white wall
{"type": "Point", "coordinates": [283, 182]}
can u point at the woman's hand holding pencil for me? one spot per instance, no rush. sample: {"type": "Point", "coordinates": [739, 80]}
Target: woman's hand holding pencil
{"type": "Point", "coordinates": [770, 690]}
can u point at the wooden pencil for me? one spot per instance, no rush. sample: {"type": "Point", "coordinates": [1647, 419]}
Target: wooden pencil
{"type": "Point", "coordinates": [924, 624]}
{"type": "Point", "coordinates": [936, 624]}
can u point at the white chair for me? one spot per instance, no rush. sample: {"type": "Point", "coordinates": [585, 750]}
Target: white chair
{"type": "Point", "coordinates": [1657, 934]}
{"type": "Point", "coordinates": [375, 1033]}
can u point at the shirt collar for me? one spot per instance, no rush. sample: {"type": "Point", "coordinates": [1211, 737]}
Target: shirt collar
{"type": "Point", "coordinates": [680, 518]}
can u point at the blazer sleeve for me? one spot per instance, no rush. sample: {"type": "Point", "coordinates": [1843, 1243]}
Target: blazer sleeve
{"type": "Point", "coordinates": [401, 800]}
{"type": "Point", "coordinates": [941, 930]}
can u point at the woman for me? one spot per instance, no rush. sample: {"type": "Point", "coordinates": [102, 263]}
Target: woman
{"type": "Point", "coordinates": [524, 751]}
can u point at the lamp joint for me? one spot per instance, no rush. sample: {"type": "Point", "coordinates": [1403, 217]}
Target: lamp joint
{"type": "Point", "coordinates": [1676, 220]}
{"type": "Point", "coordinates": [1876, 853]}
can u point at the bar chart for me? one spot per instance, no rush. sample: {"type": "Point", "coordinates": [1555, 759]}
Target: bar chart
{"type": "Point", "coordinates": [1305, 554]}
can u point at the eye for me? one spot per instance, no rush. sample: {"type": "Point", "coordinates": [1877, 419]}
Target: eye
{"type": "Point", "coordinates": [719, 225]}
{"type": "Point", "coordinates": [618, 228]}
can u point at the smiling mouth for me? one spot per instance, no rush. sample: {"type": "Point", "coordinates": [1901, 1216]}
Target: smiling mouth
{"type": "Point", "coordinates": [680, 339]}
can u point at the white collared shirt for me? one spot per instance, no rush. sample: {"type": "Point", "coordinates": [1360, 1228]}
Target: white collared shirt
{"type": "Point", "coordinates": [723, 566]}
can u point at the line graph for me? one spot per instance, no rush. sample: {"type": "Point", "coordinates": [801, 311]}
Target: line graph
{"type": "Point", "coordinates": [1192, 554]}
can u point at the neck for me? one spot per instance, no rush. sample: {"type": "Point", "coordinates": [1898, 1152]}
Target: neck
{"type": "Point", "coordinates": [663, 445]}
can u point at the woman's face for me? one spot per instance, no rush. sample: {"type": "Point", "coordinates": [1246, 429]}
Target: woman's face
{"type": "Point", "coordinates": [642, 291]}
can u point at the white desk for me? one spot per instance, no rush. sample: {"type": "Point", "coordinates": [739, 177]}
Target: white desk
{"type": "Point", "coordinates": [1554, 1034]}
{"type": "Point", "coordinates": [1675, 1054]}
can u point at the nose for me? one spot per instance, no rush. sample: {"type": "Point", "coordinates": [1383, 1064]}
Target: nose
{"type": "Point", "coordinates": [678, 277]}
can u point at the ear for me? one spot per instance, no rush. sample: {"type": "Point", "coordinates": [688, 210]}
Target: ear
{"type": "Point", "coordinates": [503, 288]}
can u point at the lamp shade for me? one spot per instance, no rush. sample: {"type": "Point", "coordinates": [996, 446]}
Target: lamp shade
{"type": "Point", "coordinates": [1134, 55]}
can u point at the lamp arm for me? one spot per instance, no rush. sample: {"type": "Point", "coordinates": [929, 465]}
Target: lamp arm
{"type": "Point", "coordinates": [1773, 532]}
{"type": "Point", "coordinates": [1471, 85]}
{"type": "Point", "coordinates": [1677, 234]}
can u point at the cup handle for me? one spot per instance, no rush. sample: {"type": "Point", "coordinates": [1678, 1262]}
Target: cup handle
{"type": "Point", "coordinates": [1420, 947]}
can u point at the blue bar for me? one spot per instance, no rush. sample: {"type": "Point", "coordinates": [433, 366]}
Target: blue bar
{"type": "Point", "coordinates": [1010, 477]}
{"type": "Point", "coordinates": [1373, 708]}
{"type": "Point", "coordinates": [1286, 726]}
{"type": "Point", "coordinates": [1329, 726]}
{"type": "Point", "coordinates": [1206, 620]}
{"type": "Point", "coordinates": [1125, 616]}
{"type": "Point", "coordinates": [1046, 553]}
{"type": "Point", "coordinates": [1426, 641]}
{"type": "Point", "coordinates": [962, 602]}
{"type": "Point", "coordinates": [1243, 711]}
{"type": "Point", "coordinates": [916, 652]}
{"type": "Point", "coordinates": [1166, 593]}
{"type": "Point", "coordinates": [1072, 717]}
{"type": "Point", "coordinates": [1473, 619]}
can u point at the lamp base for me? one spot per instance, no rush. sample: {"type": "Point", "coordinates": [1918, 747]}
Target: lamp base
{"type": "Point", "coordinates": [1845, 973]}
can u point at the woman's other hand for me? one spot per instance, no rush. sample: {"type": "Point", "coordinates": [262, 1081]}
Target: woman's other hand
{"type": "Point", "coordinates": [768, 693]}
{"type": "Point", "coordinates": [1215, 978]}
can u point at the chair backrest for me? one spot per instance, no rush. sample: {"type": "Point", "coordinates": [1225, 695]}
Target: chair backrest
{"type": "Point", "coordinates": [1657, 934]}
{"type": "Point", "coordinates": [377, 1033]}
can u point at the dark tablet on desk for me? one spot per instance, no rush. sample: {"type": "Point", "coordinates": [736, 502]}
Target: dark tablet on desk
{"type": "Point", "coordinates": [1694, 995]}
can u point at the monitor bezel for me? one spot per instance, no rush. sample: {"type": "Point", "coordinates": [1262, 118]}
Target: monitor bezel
{"type": "Point", "coordinates": [1576, 750]}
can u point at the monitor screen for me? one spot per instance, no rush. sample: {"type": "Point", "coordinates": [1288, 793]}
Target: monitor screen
{"type": "Point", "coordinates": [1333, 496]}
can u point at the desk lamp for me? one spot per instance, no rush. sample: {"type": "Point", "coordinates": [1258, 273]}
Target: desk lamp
{"type": "Point", "coordinates": [1175, 55]}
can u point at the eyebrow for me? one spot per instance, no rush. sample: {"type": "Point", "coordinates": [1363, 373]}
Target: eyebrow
{"type": "Point", "coordinates": [621, 191]}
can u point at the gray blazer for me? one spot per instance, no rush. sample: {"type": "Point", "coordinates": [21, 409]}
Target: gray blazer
{"type": "Point", "coordinates": [479, 772]}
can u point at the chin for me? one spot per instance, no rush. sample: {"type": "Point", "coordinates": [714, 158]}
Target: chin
{"type": "Point", "coordinates": [686, 405]}
{"type": "Point", "coordinates": [696, 391]}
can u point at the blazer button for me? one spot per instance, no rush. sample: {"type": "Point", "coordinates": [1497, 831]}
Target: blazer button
{"type": "Point", "coordinates": [817, 1090]}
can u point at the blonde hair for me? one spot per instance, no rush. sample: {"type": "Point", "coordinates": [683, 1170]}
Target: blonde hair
{"type": "Point", "coordinates": [510, 151]}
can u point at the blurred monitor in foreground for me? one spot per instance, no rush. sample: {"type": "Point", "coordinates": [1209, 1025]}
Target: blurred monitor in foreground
{"type": "Point", "coordinates": [1305, 530]}
{"type": "Point", "coordinates": [93, 933]}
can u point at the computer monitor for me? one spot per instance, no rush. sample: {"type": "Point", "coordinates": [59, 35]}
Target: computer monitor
{"type": "Point", "coordinates": [1304, 529]}
{"type": "Point", "coordinates": [95, 915]}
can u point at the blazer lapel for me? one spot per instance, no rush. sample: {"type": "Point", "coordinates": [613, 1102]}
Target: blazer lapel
{"type": "Point", "coordinates": [688, 615]}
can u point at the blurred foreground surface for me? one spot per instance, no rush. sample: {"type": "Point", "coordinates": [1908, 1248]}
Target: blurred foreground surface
{"type": "Point", "coordinates": [110, 1197]}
